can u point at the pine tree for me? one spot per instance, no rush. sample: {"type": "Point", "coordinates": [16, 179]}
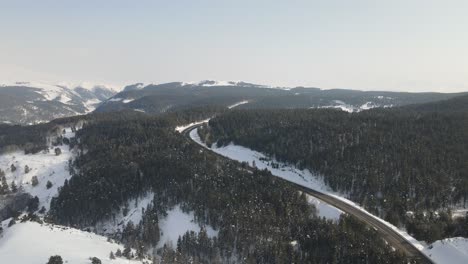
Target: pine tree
{"type": "Point", "coordinates": [49, 185]}
{"type": "Point", "coordinates": [111, 255]}
{"type": "Point", "coordinates": [13, 168]}
{"type": "Point", "coordinates": [58, 151]}
{"type": "Point", "coordinates": [13, 186]}
{"type": "Point", "coordinates": [3, 185]}
{"type": "Point", "coordinates": [127, 252]}
{"type": "Point", "coordinates": [26, 169]}
{"type": "Point", "coordinates": [95, 260]}
{"type": "Point", "coordinates": [33, 204]}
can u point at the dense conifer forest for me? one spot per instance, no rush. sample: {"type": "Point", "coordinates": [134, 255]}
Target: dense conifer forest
{"type": "Point", "coordinates": [392, 161]}
{"type": "Point", "coordinates": [259, 220]}
{"type": "Point", "coordinates": [257, 217]}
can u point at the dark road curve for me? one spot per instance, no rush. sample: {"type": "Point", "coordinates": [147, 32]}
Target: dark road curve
{"type": "Point", "coordinates": [392, 237]}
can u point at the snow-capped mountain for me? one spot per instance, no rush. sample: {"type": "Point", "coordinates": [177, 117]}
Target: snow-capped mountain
{"type": "Point", "coordinates": [35, 102]}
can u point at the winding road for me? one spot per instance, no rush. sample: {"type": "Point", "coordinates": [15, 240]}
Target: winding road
{"type": "Point", "coordinates": [392, 237]}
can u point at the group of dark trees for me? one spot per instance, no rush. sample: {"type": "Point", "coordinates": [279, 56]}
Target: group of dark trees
{"type": "Point", "coordinates": [257, 217]}
{"type": "Point", "coordinates": [389, 160]}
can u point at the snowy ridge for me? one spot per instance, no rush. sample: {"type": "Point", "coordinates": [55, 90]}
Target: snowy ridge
{"type": "Point", "coordinates": [63, 85]}
{"type": "Point", "coordinates": [37, 102]}
{"type": "Point", "coordinates": [210, 83]}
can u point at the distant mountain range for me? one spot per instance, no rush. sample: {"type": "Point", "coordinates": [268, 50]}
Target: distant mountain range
{"type": "Point", "coordinates": [30, 103]}
{"type": "Point", "coordinates": [160, 98]}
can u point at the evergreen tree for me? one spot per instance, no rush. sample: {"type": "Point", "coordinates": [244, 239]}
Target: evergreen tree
{"type": "Point", "coordinates": [33, 204]}
{"type": "Point", "coordinates": [4, 189]}
{"type": "Point", "coordinates": [57, 151]}
{"type": "Point", "coordinates": [13, 187]}
{"type": "Point", "coordinates": [127, 252]}
{"type": "Point", "coordinates": [95, 260]}
{"type": "Point", "coordinates": [49, 185]}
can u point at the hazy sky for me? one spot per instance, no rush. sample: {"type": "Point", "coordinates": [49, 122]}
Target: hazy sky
{"type": "Point", "coordinates": [370, 44]}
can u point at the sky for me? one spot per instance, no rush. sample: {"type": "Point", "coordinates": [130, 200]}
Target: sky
{"type": "Point", "coordinates": [398, 45]}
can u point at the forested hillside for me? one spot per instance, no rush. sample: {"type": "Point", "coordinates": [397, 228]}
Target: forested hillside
{"type": "Point", "coordinates": [258, 219]}
{"type": "Point", "coordinates": [389, 160]}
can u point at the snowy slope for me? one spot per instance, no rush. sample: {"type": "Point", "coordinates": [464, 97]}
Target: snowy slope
{"type": "Point", "coordinates": [46, 166]}
{"type": "Point", "coordinates": [33, 243]}
{"type": "Point", "coordinates": [35, 102]}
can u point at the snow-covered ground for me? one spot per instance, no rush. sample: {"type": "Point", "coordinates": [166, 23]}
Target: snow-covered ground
{"type": "Point", "coordinates": [31, 243]}
{"type": "Point", "coordinates": [176, 224]}
{"type": "Point", "coordinates": [237, 104]}
{"type": "Point", "coordinates": [45, 166]}
{"type": "Point", "coordinates": [450, 251]}
{"type": "Point", "coordinates": [338, 104]}
{"type": "Point", "coordinates": [313, 181]}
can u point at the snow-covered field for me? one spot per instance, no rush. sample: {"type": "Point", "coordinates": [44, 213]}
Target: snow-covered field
{"type": "Point", "coordinates": [31, 243]}
{"type": "Point", "coordinates": [313, 181]}
{"type": "Point", "coordinates": [450, 251]}
{"type": "Point", "coordinates": [176, 224]}
{"type": "Point", "coordinates": [45, 166]}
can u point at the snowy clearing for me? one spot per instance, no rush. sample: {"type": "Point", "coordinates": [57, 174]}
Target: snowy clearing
{"type": "Point", "coordinates": [119, 221]}
{"type": "Point", "coordinates": [31, 243]}
{"type": "Point", "coordinates": [176, 224]}
{"type": "Point", "coordinates": [450, 250]}
{"type": "Point", "coordinates": [45, 166]}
